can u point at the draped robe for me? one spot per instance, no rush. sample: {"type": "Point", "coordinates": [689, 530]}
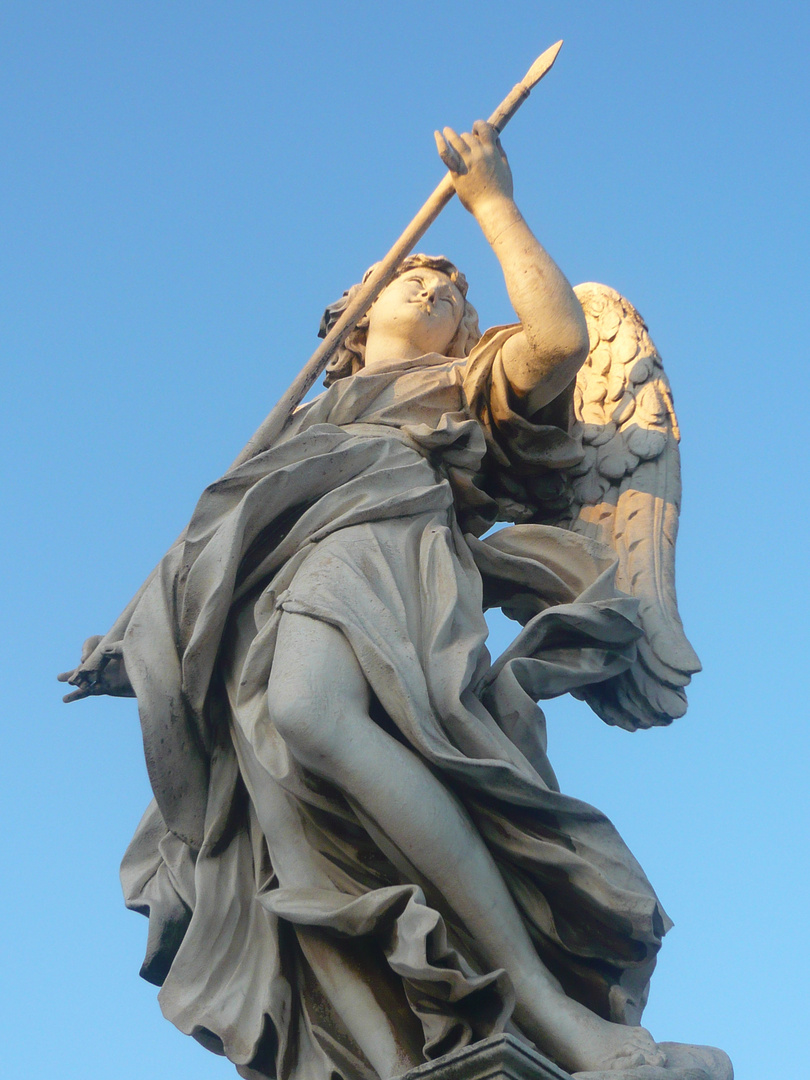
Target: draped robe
{"type": "Point", "coordinates": [367, 514]}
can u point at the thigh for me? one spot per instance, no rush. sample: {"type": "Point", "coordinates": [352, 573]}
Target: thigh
{"type": "Point", "coordinates": [315, 661]}
{"type": "Point", "coordinates": [317, 693]}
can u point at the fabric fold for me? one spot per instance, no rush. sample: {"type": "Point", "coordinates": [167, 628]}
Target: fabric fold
{"type": "Point", "coordinates": [367, 515]}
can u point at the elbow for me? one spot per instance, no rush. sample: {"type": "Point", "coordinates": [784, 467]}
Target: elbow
{"type": "Point", "coordinates": [565, 350]}
{"type": "Point", "coordinates": [557, 361]}
{"type": "Point", "coordinates": [572, 347]}
{"type": "Point", "coordinates": [575, 343]}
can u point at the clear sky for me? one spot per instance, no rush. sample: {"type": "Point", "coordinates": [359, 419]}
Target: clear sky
{"type": "Point", "coordinates": [185, 185]}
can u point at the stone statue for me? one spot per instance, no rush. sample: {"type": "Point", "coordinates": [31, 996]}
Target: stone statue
{"type": "Point", "coordinates": [358, 857]}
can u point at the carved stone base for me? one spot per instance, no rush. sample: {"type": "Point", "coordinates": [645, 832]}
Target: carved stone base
{"type": "Point", "coordinates": [501, 1057]}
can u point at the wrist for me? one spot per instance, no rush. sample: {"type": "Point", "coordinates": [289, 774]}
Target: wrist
{"type": "Point", "coordinates": [495, 214]}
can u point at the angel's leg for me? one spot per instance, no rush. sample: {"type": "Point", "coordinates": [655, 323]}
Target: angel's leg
{"type": "Point", "coordinates": [367, 999]}
{"type": "Point", "coordinates": [361, 988]}
{"type": "Point", "coordinates": [320, 706]}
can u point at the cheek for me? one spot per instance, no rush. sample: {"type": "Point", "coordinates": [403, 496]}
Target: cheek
{"type": "Point", "coordinates": [454, 320]}
{"type": "Point", "coordinates": [386, 310]}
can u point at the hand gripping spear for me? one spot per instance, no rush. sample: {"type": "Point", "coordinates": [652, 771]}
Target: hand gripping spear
{"type": "Point", "coordinates": [86, 676]}
{"type": "Point", "coordinates": [385, 270]}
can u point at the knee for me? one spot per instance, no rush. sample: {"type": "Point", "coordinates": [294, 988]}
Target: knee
{"type": "Point", "coordinates": [305, 721]}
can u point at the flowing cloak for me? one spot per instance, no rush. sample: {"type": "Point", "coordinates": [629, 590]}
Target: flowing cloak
{"type": "Point", "coordinates": [367, 514]}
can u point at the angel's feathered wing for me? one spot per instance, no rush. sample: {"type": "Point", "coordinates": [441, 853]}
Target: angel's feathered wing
{"type": "Point", "coordinates": [627, 494]}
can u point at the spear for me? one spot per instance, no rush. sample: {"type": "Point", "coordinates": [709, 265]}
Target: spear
{"type": "Point", "coordinates": [86, 676]}
{"type": "Point", "coordinates": [386, 270]}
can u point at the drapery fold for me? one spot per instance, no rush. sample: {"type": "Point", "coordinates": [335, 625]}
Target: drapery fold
{"type": "Point", "coordinates": [367, 515]}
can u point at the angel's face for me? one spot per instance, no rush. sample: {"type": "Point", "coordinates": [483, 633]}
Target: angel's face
{"type": "Point", "coordinates": [422, 307]}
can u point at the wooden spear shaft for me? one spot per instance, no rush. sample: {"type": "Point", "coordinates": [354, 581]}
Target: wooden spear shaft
{"type": "Point", "coordinates": [385, 271]}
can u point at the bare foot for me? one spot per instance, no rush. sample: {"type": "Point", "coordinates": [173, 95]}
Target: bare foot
{"type": "Point", "coordinates": [627, 1048]}
{"type": "Point", "coordinates": [581, 1041]}
{"type": "Point", "coordinates": [614, 1046]}
{"type": "Point", "coordinates": [713, 1062]}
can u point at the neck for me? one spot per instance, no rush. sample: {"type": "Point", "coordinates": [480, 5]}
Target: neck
{"type": "Point", "coordinates": [383, 347]}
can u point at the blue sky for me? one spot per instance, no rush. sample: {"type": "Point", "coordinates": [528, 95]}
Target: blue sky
{"type": "Point", "coordinates": [185, 186]}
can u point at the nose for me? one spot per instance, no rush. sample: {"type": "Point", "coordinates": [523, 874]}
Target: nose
{"type": "Point", "coordinates": [429, 292]}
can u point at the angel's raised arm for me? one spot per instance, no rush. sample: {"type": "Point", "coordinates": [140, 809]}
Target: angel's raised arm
{"type": "Point", "coordinates": [543, 359]}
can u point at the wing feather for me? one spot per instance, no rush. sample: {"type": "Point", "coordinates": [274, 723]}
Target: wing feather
{"type": "Point", "coordinates": [627, 494]}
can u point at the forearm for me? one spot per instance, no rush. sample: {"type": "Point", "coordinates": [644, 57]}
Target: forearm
{"type": "Point", "coordinates": [541, 360]}
{"type": "Point", "coordinates": [554, 341]}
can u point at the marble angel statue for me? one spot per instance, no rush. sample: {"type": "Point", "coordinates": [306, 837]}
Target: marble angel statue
{"type": "Point", "coordinates": [358, 857]}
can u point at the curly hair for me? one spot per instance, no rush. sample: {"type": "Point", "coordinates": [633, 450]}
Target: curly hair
{"type": "Point", "coordinates": [349, 358]}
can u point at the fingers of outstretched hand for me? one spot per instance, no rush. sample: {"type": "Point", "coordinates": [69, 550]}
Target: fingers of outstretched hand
{"type": "Point", "coordinates": [102, 672]}
{"type": "Point", "coordinates": [85, 683]}
{"type": "Point", "coordinates": [87, 676]}
{"type": "Point", "coordinates": [89, 646]}
{"type": "Point", "coordinates": [77, 695]}
{"type": "Point", "coordinates": [453, 150]}
{"type": "Point", "coordinates": [488, 136]}
{"type": "Point", "coordinates": [448, 155]}
{"type": "Point", "coordinates": [461, 144]}
{"type": "Point", "coordinates": [485, 132]}
{"type": "Point", "coordinates": [467, 151]}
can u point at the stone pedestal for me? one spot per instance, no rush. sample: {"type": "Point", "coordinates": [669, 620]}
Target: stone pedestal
{"type": "Point", "coordinates": [501, 1057]}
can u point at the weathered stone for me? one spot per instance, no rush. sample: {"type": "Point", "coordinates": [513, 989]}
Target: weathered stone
{"type": "Point", "coordinates": [501, 1057]}
{"type": "Point", "coordinates": [357, 849]}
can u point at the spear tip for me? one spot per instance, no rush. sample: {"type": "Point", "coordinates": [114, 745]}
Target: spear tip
{"type": "Point", "coordinates": [541, 65]}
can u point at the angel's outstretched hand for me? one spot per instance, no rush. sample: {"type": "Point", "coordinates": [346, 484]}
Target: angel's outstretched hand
{"type": "Point", "coordinates": [477, 164]}
{"type": "Point", "coordinates": [101, 671]}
